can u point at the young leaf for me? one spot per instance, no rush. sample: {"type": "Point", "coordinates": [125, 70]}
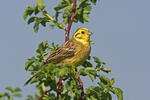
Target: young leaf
{"type": "Point", "coordinates": [98, 61]}
{"type": "Point", "coordinates": [93, 1]}
{"type": "Point", "coordinates": [104, 79]}
{"type": "Point", "coordinates": [62, 71]}
{"type": "Point", "coordinates": [36, 10]}
{"type": "Point", "coordinates": [36, 26]}
{"type": "Point", "coordinates": [40, 4]}
{"type": "Point", "coordinates": [28, 11]}
{"type": "Point", "coordinates": [17, 90]}
{"type": "Point", "coordinates": [118, 92]}
{"type": "Point", "coordinates": [5, 94]}
{"type": "Point", "coordinates": [107, 70]}
{"type": "Point", "coordinates": [86, 17]}
{"type": "Point", "coordinates": [29, 63]}
{"type": "Point", "coordinates": [87, 64]}
{"type": "Point", "coordinates": [17, 95]}
{"type": "Point", "coordinates": [30, 97]}
{"type": "Point", "coordinates": [9, 88]}
{"type": "Point", "coordinates": [106, 96]}
{"type": "Point", "coordinates": [31, 19]}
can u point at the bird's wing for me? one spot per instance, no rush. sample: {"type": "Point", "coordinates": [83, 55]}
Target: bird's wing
{"type": "Point", "coordinates": [66, 51]}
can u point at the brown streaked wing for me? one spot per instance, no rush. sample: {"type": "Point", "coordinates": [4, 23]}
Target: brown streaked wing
{"type": "Point", "coordinates": [67, 50]}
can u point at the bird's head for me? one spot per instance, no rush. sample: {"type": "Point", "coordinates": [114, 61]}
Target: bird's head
{"type": "Point", "coordinates": [82, 35]}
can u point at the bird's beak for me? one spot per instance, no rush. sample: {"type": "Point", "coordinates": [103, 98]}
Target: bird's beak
{"type": "Point", "coordinates": [90, 33]}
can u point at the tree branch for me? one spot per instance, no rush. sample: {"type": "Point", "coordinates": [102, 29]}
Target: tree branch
{"type": "Point", "coordinates": [59, 87]}
{"type": "Point", "coordinates": [66, 39]}
{"type": "Point", "coordinates": [82, 89]}
{"type": "Point", "coordinates": [71, 20]}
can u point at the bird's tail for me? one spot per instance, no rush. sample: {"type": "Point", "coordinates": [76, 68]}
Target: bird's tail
{"type": "Point", "coordinates": [34, 75]}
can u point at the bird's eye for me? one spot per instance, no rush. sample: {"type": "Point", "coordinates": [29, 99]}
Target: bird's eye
{"type": "Point", "coordinates": [82, 32]}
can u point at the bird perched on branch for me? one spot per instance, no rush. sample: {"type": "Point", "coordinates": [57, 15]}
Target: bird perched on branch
{"type": "Point", "coordinates": [75, 51]}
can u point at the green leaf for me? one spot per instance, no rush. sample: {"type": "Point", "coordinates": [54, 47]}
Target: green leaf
{"type": "Point", "coordinates": [17, 90]}
{"type": "Point", "coordinates": [92, 42]}
{"type": "Point", "coordinates": [28, 11]}
{"type": "Point", "coordinates": [57, 15]}
{"type": "Point", "coordinates": [36, 26]}
{"type": "Point", "coordinates": [66, 20]}
{"type": "Point", "coordinates": [37, 95]}
{"type": "Point", "coordinates": [93, 1]}
{"type": "Point", "coordinates": [29, 63]}
{"type": "Point", "coordinates": [43, 23]}
{"type": "Point", "coordinates": [42, 47]}
{"type": "Point", "coordinates": [87, 64]}
{"type": "Point", "coordinates": [118, 92]}
{"type": "Point", "coordinates": [17, 95]}
{"type": "Point", "coordinates": [69, 85]}
{"type": "Point", "coordinates": [86, 71]}
{"type": "Point", "coordinates": [62, 72]}
{"type": "Point", "coordinates": [90, 71]}
{"type": "Point", "coordinates": [102, 85]}
{"type": "Point", "coordinates": [30, 97]}
{"type": "Point", "coordinates": [92, 77]}
{"type": "Point", "coordinates": [104, 79]}
{"type": "Point", "coordinates": [52, 26]}
{"type": "Point", "coordinates": [83, 72]}
{"type": "Point", "coordinates": [107, 70]}
{"type": "Point", "coordinates": [112, 82]}
{"type": "Point", "coordinates": [63, 4]}
{"type": "Point", "coordinates": [40, 4]}
{"type": "Point", "coordinates": [93, 91]}
{"type": "Point", "coordinates": [66, 7]}
{"type": "Point", "coordinates": [36, 10]}
{"type": "Point", "coordinates": [5, 94]}
{"type": "Point", "coordinates": [86, 17]}
{"type": "Point", "coordinates": [32, 19]}
{"type": "Point", "coordinates": [9, 88]}
{"type": "Point", "coordinates": [106, 96]}
{"type": "Point", "coordinates": [98, 61]}
{"type": "Point", "coordinates": [82, 12]}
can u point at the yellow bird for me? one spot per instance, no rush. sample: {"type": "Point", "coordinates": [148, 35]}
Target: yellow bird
{"type": "Point", "coordinates": [75, 51]}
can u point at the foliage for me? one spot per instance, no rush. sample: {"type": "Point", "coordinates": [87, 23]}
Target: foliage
{"type": "Point", "coordinates": [62, 13]}
{"type": "Point", "coordinates": [11, 94]}
{"type": "Point", "coordinates": [71, 88]}
{"type": "Point", "coordinates": [47, 81]}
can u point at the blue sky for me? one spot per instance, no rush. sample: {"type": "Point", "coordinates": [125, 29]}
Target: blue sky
{"type": "Point", "coordinates": [122, 39]}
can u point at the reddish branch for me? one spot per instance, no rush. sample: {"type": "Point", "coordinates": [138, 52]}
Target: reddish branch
{"type": "Point", "coordinates": [82, 89]}
{"type": "Point", "coordinates": [59, 87]}
{"type": "Point", "coordinates": [66, 39]}
{"type": "Point", "coordinates": [71, 20]}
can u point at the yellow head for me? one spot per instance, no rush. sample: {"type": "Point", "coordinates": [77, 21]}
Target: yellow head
{"type": "Point", "coordinates": [82, 35]}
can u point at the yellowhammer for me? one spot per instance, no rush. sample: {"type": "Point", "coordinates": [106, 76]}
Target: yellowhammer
{"type": "Point", "coordinates": [75, 51]}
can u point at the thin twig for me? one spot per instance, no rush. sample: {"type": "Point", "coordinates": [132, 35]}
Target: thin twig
{"type": "Point", "coordinates": [60, 25]}
{"type": "Point", "coordinates": [40, 98]}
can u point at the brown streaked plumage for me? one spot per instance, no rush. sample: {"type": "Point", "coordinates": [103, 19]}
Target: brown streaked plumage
{"type": "Point", "coordinates": [75, 51]}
